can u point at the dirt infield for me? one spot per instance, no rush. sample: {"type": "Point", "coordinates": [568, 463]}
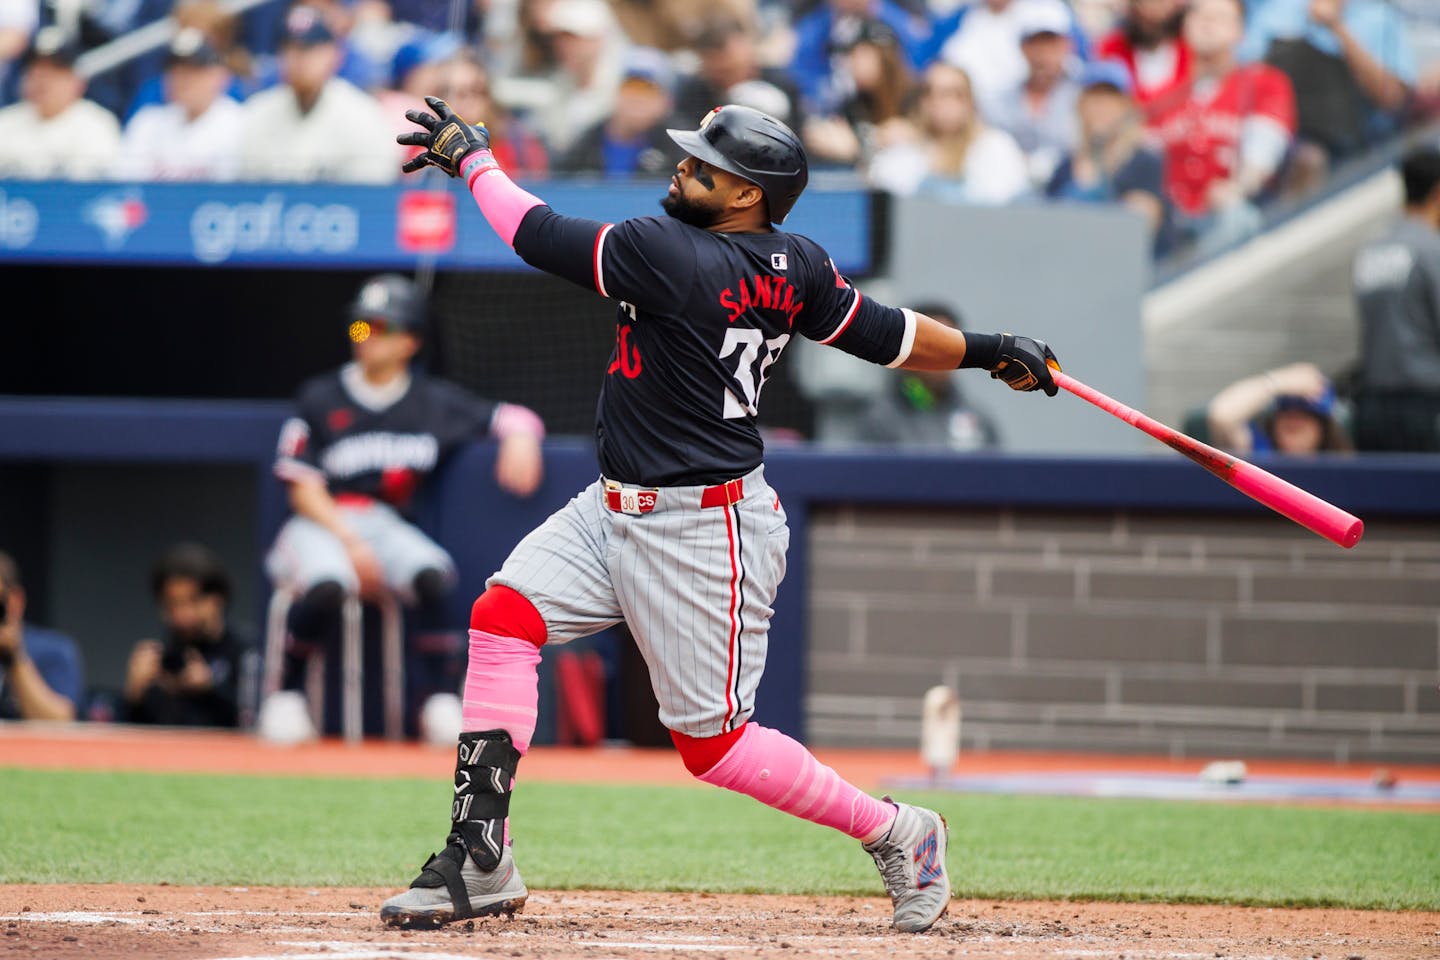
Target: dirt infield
{"type": "Point", "coordinates": [188, 923]}
{"type": "Point", "coordinates": [97, 922]}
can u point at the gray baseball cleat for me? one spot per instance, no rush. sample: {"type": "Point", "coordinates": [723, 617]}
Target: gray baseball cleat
{"type": "Point", "coordinates": [911, 858]}
{"type": "Point", "coordinates": [451, 887]}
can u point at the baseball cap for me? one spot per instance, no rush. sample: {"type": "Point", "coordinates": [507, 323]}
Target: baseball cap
{"type": "Point", "coordinates": [583, 18]}
{"type": "Point", "coordinates": [426, 46]}
{"type": "Point", "coordinates": [305, 27]}
{"type": "Point", "coordinates": [1111, 73]}
{"type": "Point", "coordinates": [189, 46]}
{"type": "Point", "coordinates": [651, 65]}
{"type": "Point", "coordinates": [1044, 16]}
{"type": "Point", "coordinates": [1322, 406]}
{"type": "Point", "coordinates": [55, 44]}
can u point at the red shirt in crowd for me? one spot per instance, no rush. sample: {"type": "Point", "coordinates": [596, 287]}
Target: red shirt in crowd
{"type": "Point", "coordinates": [1117, 46]}
{"type": "Point", "coordinates": [1199, 136]}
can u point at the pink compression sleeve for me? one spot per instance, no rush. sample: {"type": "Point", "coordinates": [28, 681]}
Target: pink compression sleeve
{"type": "Point", "coordinates": [502, 686]}
{"type": "Point", "coordinates": [503, 203]}
{"type": "Point", "coordinates": [781, 773]}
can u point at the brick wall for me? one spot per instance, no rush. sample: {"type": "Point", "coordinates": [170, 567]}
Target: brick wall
{"type": "Point", "coordinates": [1193, 636]}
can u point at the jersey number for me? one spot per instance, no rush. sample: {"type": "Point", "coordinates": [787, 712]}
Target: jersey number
{"type": "Point", "coordinates": [753, 355]}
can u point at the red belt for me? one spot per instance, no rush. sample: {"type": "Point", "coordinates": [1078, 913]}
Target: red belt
{"type": "Point", "coordinates": [623, 499]}
{"type": "Point", "coordinates": [354, 500]}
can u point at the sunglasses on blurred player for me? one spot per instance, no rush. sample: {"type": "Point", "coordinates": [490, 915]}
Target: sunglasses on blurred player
{"type": "Point", "coordinates": [363, 329]}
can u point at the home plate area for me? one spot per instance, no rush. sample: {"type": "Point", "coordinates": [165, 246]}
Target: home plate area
{"type": "Point", "coordinates": [69, 922]}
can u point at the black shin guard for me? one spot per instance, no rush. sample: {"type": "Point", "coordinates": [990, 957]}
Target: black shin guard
{"type": "Point", "coordinates": [484, 768]}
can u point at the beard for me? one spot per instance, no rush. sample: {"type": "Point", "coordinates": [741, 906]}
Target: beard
{"type": "Point", "coordinates": [687, 211]}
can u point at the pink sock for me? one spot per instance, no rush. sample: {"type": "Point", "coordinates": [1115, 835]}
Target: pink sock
{"type": "Point", "coordinates": [502, 690]}
{"type": "Point", "coordinates": [502, 687]}
{"type": "Point", "coordinates": [781, 773]}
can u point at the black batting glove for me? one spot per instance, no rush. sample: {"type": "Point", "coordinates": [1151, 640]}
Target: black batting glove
{"type": "Point", "coordinates": [447, 139]}
{"type": "Point", "coordinates": [1024, 364]}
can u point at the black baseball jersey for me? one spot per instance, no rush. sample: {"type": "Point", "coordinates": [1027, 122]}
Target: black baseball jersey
{"type": "Point", "coordinates": [702, 318]}
{"type": "Point", "coordinates": [383, 453]}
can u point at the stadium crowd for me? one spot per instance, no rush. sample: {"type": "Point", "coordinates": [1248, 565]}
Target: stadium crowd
{"type": "Point", "coordinates": [1195, 113]}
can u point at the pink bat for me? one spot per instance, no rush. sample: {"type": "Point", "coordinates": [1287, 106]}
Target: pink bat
{"type": "Point", "coordinates": [1306, 509]}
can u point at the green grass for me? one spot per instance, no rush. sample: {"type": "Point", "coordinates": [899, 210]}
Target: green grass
{"type": "Point", "coordinates": [244, 830]}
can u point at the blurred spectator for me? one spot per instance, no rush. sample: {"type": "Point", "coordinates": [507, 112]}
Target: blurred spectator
{"type": "Point", "coordinates": [872, 115]}
{"type": "Point", "coordinates": [730, 70]}
{"type": "Point", "coordinates": [1226, 132]}
{"type": "Point", "coordinates": [414, 75]}
{"type": "Point", "coordinates": [589, 50]}
{"type": "Point", "coordinates": [1149, 43]}
{"type": "Point", "coordinates": [41, 675]}
{"type": "Point", "coordinates": [203, 673]}
{"type": "Point", "coordinates": [1422, 29]}
{"type": "Point", "coordinates": [1040, 112]}
{"type": "Point", "coordinates": [362, 441]}
{"type": "Point", "coordinates": [53, 131]}
{"type": "Point", "coordinates": [221, 30]}
{"type": "Point", "coordinates": [632, 140]}
{"type": "Point", "coordinates": [983, 38]}
{"type": "Point", "coordinates": [1352, 68]}
{"type": "Point", "coordinates": [1397, 291]}
{"type": "Point", "coordinates": [266, 34]}
{"type": "Point", "coordinates": [315, 125]}
{"type": "Point", "coordinates": [1291, 410]}
{"type": "Point", "coordinates": [927, 409]}
{"type": "Point", "coordinates": [196, 133]}
{"type": "Point", "coordinates": [465, 85]}
{"type": "Point", "coordinates": [1097, 19]}
{"type": "Point", "coordinates": [954, 155]}
{"type": "Point", "coordinates": [1111, 162]}
{"type": "Point", "coordinates": [18, 22]}
{"type": "Point", "coordinates": [823, 34]}
{"type": "Point", "coordinates": [674, 25]}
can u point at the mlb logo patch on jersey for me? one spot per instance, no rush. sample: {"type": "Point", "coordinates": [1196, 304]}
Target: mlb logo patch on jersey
{"type": "Point", "coordinates": [778, 261]}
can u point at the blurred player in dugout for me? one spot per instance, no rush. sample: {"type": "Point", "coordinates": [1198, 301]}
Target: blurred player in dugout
{"type": "Point", "coordinates": [355, 453]}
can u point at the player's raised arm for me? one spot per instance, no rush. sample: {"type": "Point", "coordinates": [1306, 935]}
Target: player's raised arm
{"type": "Point", "coordinates": [462, 150]}
{"type": "Point", "coordinates": [644, 267]}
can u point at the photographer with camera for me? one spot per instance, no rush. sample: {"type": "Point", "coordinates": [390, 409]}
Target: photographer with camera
{"type": "Point", "coordinates": [203, 674]}
{"type": "Point", "coordinates": [41, 677]}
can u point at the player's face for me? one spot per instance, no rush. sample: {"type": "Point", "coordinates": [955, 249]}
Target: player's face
{"type": "Point", "coordinates": [383, 349]}
{"type": "Point", "coordinates": [699, 193]}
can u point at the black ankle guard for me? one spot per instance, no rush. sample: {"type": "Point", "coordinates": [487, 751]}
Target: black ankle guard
{"type": "Point", "coordinates": [484, 766]}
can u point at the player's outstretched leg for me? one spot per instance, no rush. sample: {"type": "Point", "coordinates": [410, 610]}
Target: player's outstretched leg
{"type": "Point", "coordinates": [907, 843]}
{"type": "Point", "coordinates": [475, 875]}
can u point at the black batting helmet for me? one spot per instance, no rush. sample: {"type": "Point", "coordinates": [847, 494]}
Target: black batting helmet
{"type": "Point", "coordinates": [755, 146]}
{"type": "Point", "coordinates": [392, 298]}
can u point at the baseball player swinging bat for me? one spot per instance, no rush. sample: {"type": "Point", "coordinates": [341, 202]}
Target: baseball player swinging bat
{"type": "Point", "coordinates": [1306, 509]}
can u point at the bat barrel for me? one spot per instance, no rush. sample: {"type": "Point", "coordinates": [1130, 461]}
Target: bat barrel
{"type": "Point", "coordinates": [1301, 506]}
